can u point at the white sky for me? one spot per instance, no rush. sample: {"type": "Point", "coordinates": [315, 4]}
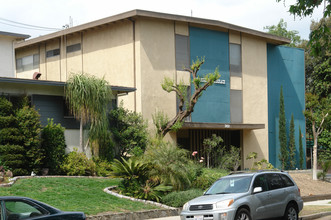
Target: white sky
{"type": "Point", "coordinates": [254, 14]}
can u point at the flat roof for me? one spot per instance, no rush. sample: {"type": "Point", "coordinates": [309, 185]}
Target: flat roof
{"type": "Point", "coordinates": [18, 36]}
{"type": "Point", "coordinates": [156, 15]}
{"type": "Point", "coordinates": [119, 89]}
{"type": "Point", "coordinates": [228, 126]}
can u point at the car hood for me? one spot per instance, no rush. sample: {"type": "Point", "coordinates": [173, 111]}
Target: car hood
{"type": "Point", "coordinates": [211, 199]}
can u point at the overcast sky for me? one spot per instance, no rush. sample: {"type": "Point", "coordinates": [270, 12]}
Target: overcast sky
{"type": "Point", "coordinates": [254, 14]}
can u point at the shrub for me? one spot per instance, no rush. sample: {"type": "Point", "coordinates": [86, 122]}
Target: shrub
{"type": "Point", "coordinates": [208, 177]}
{"type": "Point", "coordinates": [326, 165]}
{"type": "Point", "coordinates": [103, 167]}
{"type": "Point", "coordinates": [129, 132]}
{"type": "Point", "coordinates": [77, 164]}
{"type": "Point", "coordinates": [178, 199]}
{"type": "Point", "coordinates": [6, 107]}
{"type": "Point", "coordinates": [12, 153]}
{"type": "Point", "coordinates": [169, 164]}
{"type": "Point", "coordinates": [29, 127]}
{"type": "Point", "coordinates": [53, 142]}
{"type": "Point", "coordinates": [12, 157]}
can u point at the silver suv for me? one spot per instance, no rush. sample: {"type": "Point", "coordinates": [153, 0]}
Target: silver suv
{"type": "Point", "coordinates": [247, 196]}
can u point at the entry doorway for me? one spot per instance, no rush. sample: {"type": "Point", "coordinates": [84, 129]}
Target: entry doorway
{"type": "Point", "coordinates": [192, 140]}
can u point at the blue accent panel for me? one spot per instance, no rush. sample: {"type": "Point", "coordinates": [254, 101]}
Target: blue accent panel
{"type": "Point", "coordinates": [285, 68]}
{"type": "Point", "coordinates": [214, 105]}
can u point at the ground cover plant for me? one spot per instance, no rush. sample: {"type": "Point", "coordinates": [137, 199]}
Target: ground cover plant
{"type": "Point", "coordinates": [74, 194]}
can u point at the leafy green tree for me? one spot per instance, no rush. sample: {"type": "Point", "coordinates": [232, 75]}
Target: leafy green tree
{"type": "Point", "coordinates": [301, 159]}
{"type": "Point", "coordinates": [129, 132]}
{"type": "Point", "coordinates": [186, 106]}
{"type": "Point", "coordinates": [88, 98]}
{"type": "Point", "coordinates": [283, 156]}
{"type": "Point", "coordinates": [209, 145]}
{"type": "Point", "coordinates": [281, 30]}
{"type": "Point", "coordinates": [318, 113]}
{"type": "Point", "coordinates": [303, 8]}
{"type": "Point", "coordinates": [318, 67]}
{"type": "Point", "coordinates": [53, 142]}
{"type": "Point", "coordinates": [291, 146]}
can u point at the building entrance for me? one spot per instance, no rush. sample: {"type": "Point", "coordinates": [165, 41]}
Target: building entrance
{"type": "Point", "coordinates": [192, 140]}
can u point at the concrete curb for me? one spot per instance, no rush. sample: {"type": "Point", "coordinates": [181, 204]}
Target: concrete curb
{"type": "Point", "coordinates": [316, 197]}
{"type": "Point", "coordinates": [315, 216]}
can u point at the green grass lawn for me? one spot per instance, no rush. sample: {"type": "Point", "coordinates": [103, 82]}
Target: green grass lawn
{"type": "Point", "coordinates": [74, 194]}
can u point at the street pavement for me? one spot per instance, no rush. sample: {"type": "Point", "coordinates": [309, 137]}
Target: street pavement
{"type": "Point", "coordinates": [319, 202]}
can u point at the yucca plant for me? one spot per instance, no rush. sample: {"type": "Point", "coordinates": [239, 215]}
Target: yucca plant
{"type": "Point", "coordinates": [88, 99]}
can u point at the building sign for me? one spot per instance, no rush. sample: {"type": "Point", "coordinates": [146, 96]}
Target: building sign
{"type": "Point", "coordinates": [218, 81]}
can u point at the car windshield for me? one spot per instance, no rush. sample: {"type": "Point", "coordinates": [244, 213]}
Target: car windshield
{"type": "Point", "coordinates": [227, 185]}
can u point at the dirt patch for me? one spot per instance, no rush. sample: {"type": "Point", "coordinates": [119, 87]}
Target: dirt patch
{"type": "Point", "coordinates": [308, 186]}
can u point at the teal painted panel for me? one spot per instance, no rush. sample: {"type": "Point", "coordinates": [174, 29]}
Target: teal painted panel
{"type": "Point", "coordinates": [214, 105]}
{"type": "Point", "coordinates": [285, 68]}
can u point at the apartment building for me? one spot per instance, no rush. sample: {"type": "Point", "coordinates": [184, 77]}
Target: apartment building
{"type": "Point", "coordinates": [135, 50]}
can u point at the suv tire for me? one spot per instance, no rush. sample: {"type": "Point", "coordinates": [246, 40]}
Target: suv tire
{"type": "Point", "coordinates": [291, 212]}
{"type": "Point", "coordinates": [243, 214]}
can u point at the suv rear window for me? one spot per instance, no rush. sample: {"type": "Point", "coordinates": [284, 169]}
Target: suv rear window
{"type": "Point", "coordinates": [275, 181]}
{"type": "Point", "coordinates": [287, 180]}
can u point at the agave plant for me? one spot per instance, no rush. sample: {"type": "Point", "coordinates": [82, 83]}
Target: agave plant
{"type": "Point", "coordinates": [129, 169]}
{"type": "Point", "coordinates": [152, 191]}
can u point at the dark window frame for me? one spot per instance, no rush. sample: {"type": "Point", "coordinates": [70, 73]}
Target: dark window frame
{"type": "Point", "coordinates": [234, 71]}
{"type": "Point", "coordinates": [73, 48]}
{"type": "Point", "coordinates": [30, 66]}
{"type": "Point", "coordinates": [182, 63]}
{"type": "Point", "coordinates": [53, 53]}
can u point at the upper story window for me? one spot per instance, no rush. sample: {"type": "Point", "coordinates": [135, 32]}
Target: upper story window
{"type": "Point", "coordinates": [182, 52]}
{"type": "Point", "coordinates": [73, 48]}
{"type": "Point", "coordinates": [52, 53]}
{"type": "Point", "coordinates": [27, 63]}
{"type": "Point", "coordinates": [235, 60]}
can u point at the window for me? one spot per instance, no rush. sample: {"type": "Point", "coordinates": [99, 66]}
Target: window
{"type": "Point", "coordinates": [182, 52]}
{"type": "Point", "coordinates": [236, 108]}
{"type": "Point", "coordinates": [261, 181]}
{"type": "Point", "coordinates": [27, 63]}
{"type": "Point", "coordinates": [287, 180]}
{"type": "Point", "coordinates": [52, 53]}
{"type": "Point", "coordinates": [73, 48]}
{"type": "Point", "coordinates": [22, 210]}
{"type": "Point", "coordinates": [235, 60]}
{"type": "Point", "coordinates": [275, 181]}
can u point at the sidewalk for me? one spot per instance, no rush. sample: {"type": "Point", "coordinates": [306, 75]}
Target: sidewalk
{"type": "Point", "coordinates": [319, 202]}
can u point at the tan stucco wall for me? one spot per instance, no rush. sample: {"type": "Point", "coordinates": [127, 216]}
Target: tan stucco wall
{"type": "Point", "coordinates": [155, 55]}
{"type": "Point", "coordinates": [255, 97]}
{"type": "Point", "coordinates": [74, 60]}
{"type": "Point", "coordinates": [23, 53]}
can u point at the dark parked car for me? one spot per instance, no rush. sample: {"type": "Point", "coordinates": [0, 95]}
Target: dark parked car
{"type": "Point", "coordinates": [13, 208]}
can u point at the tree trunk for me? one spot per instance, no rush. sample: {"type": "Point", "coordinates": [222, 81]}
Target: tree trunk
{"type": "Point", "coordinates": [81, 136]}
{"type": "Point", "coordinates": [315, 159]}
{"type": "Point", "coordinates": [315, 136]}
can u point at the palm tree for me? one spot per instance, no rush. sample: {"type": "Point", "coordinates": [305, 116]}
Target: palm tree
{"type": "Point", "coordinates": [88, 99]}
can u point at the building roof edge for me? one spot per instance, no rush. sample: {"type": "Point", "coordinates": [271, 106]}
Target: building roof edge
{"type": "Point", "coordinates": [157, 15]}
